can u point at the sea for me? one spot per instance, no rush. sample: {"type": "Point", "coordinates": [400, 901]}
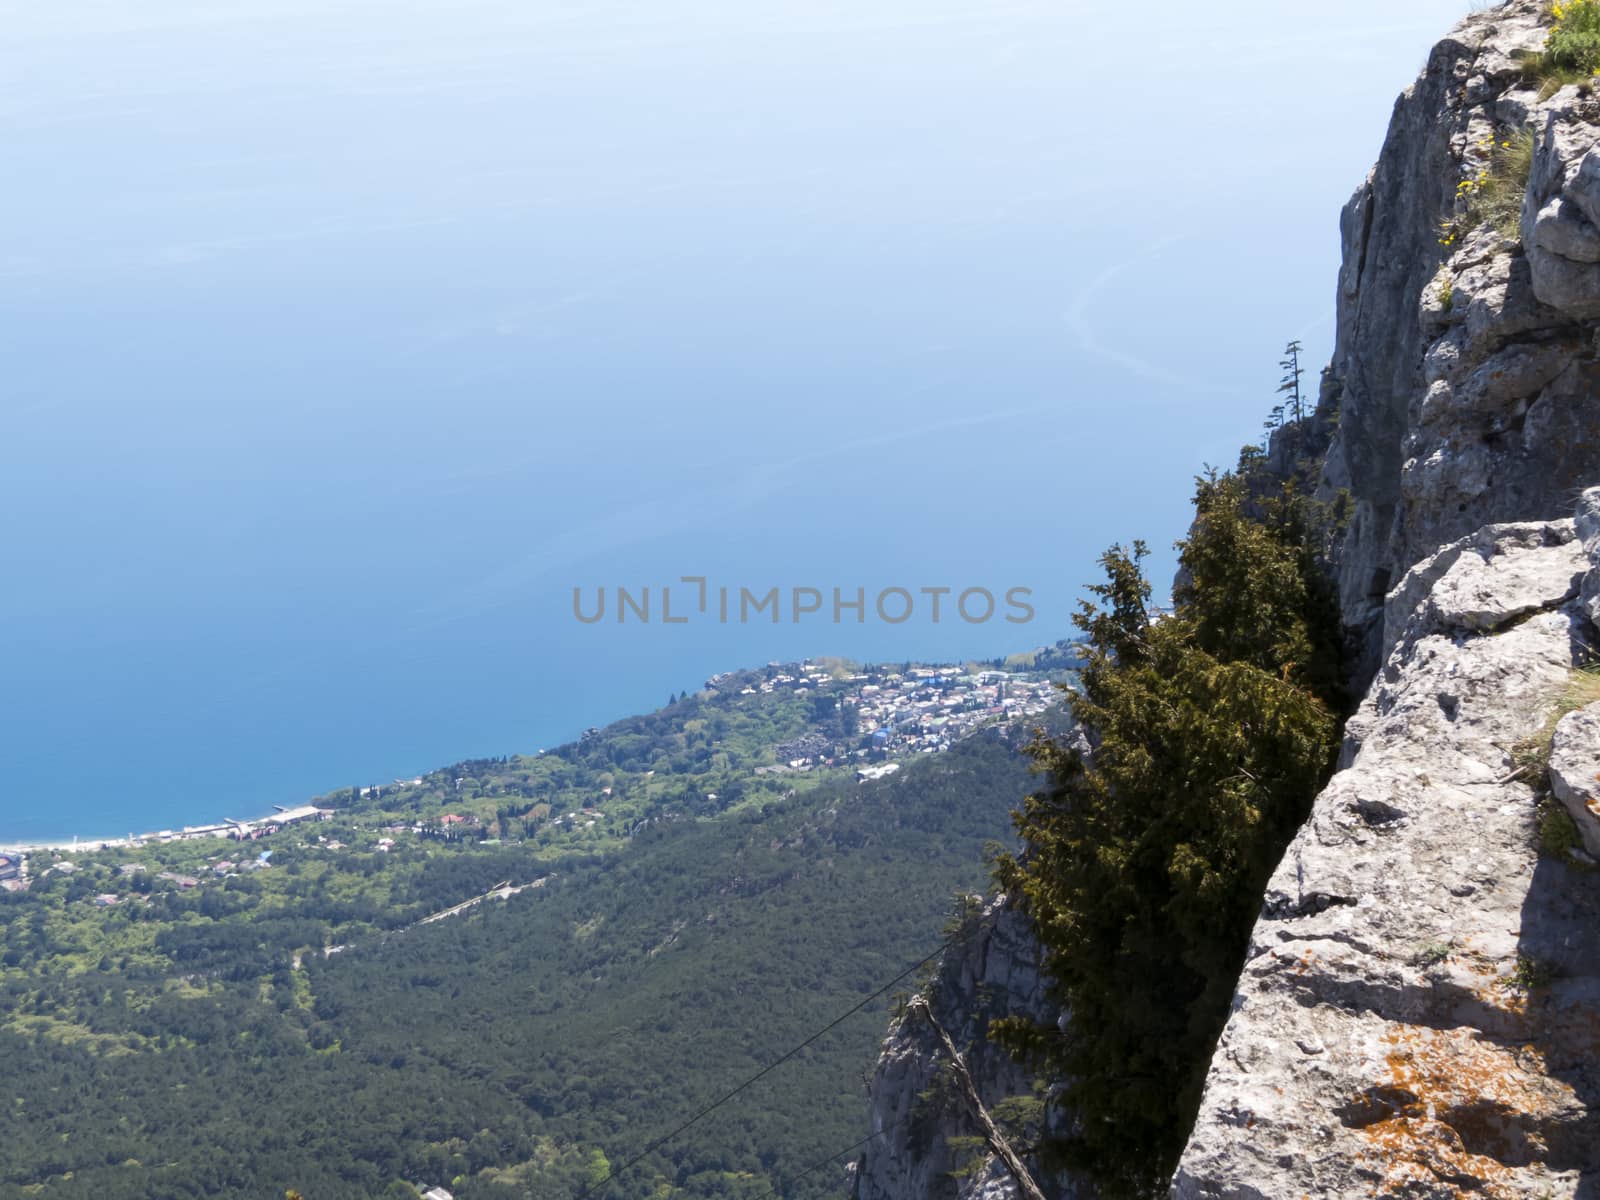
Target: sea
{"type": "Point", "coordinates": [340, 344]}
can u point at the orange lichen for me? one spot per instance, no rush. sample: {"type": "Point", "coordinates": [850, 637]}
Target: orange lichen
{"type": "Point", "coordinates": [1457, 1109]}
{"type": "Point", "coordinates": [1504, 998]}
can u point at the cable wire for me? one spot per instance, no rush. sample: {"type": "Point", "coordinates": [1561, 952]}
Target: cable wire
{"type": "Point", "coordinates": [834, 1157]}
{"type": "Point", "coordinates": [612, 1174]}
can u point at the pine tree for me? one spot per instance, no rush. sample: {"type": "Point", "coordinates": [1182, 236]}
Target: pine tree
{"type": "Point", "coordinates": [1213, 727]}
{"type": "Point", "coordinates": [1273, 423]}
{"type": "Point", "coordinates": [1289, 385]}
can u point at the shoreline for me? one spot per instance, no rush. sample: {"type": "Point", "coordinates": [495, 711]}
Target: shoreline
{"type": "Point", "coordinates": [187, 833]}
{"type": "Point", "coordinates": [82, 845]}
{"type": "Point", "coordinates": [227, 827]}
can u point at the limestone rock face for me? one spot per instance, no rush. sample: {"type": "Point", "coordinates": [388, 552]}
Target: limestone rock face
{"type": "Point", "coordinates": [913, 1114]}
{"type": "Point", "coordinates": [1575, 772]}
{"type": "Point", "coordinates": [1486, 581]}
{"type": "Point", "coordinates": [1563, 237]}
{"type": "Point", "coordinates": [1419, 1011]}
{"type": "Point", "coordinates": [1465, 381]}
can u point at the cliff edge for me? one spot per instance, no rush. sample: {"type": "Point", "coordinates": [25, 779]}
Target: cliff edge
{"type": "Point", "coordinates": [923, 1141]}
{"type": "Point", "coordinates": [1418, 1013]}
{"type": "Point", "coordinates": [1461, 392]}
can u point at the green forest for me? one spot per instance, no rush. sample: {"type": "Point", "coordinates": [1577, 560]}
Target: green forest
{"type": "Point", "coordinates": [657, 911]}
{"type": "Point", "coordinates": [196, 1037]}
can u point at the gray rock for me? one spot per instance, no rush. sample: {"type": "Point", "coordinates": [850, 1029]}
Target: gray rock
{"type": "Point", "coordinates": [1561, 229]}
{"type": "Point", "coordinates": [1485, 582]}
{"type": "Point", "coordinates": [1584, 186]}
{"type": "Point", "coordinates": [1575, 771]}
{"type": "Point", "coordinates": [1383, 1041]}
{"type": "Point", "coordinates": [1572, 288]}
{"type": "Point", "coordinates": [995, 973]}
{"type": "Point", "coordinates": [1587, 523]}
{"type": "Point", "coordinates": [1487, 411]}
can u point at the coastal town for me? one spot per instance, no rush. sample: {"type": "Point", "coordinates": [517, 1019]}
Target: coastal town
{"type": "Point", "coordinates": [753, 791]}
{"type": "Point", "coordinates": [865, 720]}
{"type": "Point", "coordinates": [884, 712]}
{"type": "Point", "coordinates": [15, 861]}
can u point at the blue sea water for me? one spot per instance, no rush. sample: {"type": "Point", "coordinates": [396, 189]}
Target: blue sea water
{"type": "Point", "coordinates": [340, 342]}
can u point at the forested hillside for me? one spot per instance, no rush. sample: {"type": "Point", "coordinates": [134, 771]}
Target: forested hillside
{"type": "Point", "coordinates": [201, 1041]}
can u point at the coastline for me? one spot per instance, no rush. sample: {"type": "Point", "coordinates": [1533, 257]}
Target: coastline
{"type": "Point", "coordinates": [86, 845]}
{"type": "Point", "coordinates": [221, 829]}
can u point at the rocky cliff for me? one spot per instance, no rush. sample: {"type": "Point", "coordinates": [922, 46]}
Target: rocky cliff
{"type": "Point", "coordinates": [1419, 1012]}
{"type": "Point", "coordinates": [1461, 390]}
{"type": "Point", "coordinates": [925, 1137]}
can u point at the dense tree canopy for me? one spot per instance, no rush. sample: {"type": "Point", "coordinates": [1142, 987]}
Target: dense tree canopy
{"type": "Point", "coordinates": [170, 1046]}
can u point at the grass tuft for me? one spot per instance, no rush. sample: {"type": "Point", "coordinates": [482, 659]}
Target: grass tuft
{"type": "Point", "coordinates": [1532, 754]}
{"type": "Point", "coordinates": [1431, 954]}
{"type": "Point", "coordinates": [1558, 832]}
{"type": "Point", "coordinates": [1571, 53]}
{"type": "Point", "coordinates": [1532, 974]}
{"type": "Point", "coordinates": [1494, 195]}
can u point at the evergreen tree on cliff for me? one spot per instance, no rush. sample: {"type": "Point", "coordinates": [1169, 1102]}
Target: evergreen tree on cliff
{"type": "Point", "coordinates": [1289, 385]}
{"type": "Point", "coordinates": [1213, 728]}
